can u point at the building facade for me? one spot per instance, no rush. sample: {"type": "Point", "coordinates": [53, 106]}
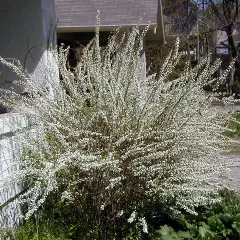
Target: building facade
{"type": "Point", "coordinates": [27, 29]}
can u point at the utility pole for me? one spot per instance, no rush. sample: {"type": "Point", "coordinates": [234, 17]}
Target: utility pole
{"type": "Point", "coordinates": [160, 32]}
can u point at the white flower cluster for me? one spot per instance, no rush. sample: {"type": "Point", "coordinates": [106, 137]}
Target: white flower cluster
{"type": "Point", "coordinates": [122, 137]}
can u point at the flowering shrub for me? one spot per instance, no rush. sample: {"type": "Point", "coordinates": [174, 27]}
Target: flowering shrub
{"type": "Point", "coordinates": [109, 139]}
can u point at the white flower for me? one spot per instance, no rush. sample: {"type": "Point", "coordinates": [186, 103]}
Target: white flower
{"type": "Point", "coordinates": [132, 217]}
{"type": "Point", "coordinates": [144, 225]}
{"type": "Point", "coordinates": [111, 130]}
{"type": "Point", "coordinates": [119, 214]}
{"type": "Point", "coordinates": [66, 196]}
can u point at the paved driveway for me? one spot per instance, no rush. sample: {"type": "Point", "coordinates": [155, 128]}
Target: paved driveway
{"type": "Point", "coordinates": [233, 178]}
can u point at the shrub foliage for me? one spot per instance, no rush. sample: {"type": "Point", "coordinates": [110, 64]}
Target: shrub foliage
{"type": "Point", "coordinates": [109, 140]}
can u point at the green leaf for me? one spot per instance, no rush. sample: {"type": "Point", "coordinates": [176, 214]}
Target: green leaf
{"type": "Point", "coordinates": [185, 235]}
{"type": "Point", "coordinates": [237, 218]}
{"type": "Point", "coordinates": [193, 229]}
{"type": "Point", "coordinates": [236, 226]}
{"type": "Point", "coordinates": [168, 233]}
{"type": "Point", "coordinates": [212, 222]}
{"type": "Point", "coordinates": [203, 231]}
{"type": "Point", "coordinates": [168, 237]}
{"type": "Point", "coordinates": [165, 230]}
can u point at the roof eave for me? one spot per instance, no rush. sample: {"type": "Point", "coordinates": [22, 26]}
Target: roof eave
{"type": "Point", "coordinates": [104, 28]}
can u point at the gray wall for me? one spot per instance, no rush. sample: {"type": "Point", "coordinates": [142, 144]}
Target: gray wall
{"type": "Point", "coordinates": [26, 29]}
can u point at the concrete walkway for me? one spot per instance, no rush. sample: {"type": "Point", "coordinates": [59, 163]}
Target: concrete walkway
{"type": "Point", "coordinates": [233, 178]}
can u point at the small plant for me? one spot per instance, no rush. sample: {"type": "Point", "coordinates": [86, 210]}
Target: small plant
{"type": "Point", "coordinates": [217, 221]}
{"type": "Point", "coordinates": [35, 230]}
{"type": "Point", "coordinates": [234, 126]}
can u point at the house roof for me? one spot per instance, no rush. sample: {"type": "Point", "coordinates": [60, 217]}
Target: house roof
{"type": "Point", "coordinates": [80, 15]}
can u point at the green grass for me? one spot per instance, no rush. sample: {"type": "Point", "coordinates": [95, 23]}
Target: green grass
{"type": "Point", "coordinates": [33, 230]}
{"type": "Point", "coordinates": [234, 126]}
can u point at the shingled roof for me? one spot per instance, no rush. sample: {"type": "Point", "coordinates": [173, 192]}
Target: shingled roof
{"type": "Point", "coordinates": [80, 15]}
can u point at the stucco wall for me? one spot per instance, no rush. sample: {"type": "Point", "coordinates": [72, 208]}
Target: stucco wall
{"type": "Point", "coordinates": [46, 68]}
{"type": "Point", "coordinates": [27, 28]}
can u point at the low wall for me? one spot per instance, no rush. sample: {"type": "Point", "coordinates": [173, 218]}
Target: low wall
{"type": "Point", "coordinates": [9, 157]}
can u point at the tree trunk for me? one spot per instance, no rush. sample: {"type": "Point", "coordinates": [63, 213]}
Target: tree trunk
{"type": "Point", "coordinates": [234, 76]}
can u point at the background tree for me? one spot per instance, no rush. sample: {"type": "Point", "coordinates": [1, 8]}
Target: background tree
{"type": "Point", "coordinates": [200, 23]}
{"type": "Point", "coordinates": [180, 17]}
{"type": "Point", "coordinates": [226, 18]}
